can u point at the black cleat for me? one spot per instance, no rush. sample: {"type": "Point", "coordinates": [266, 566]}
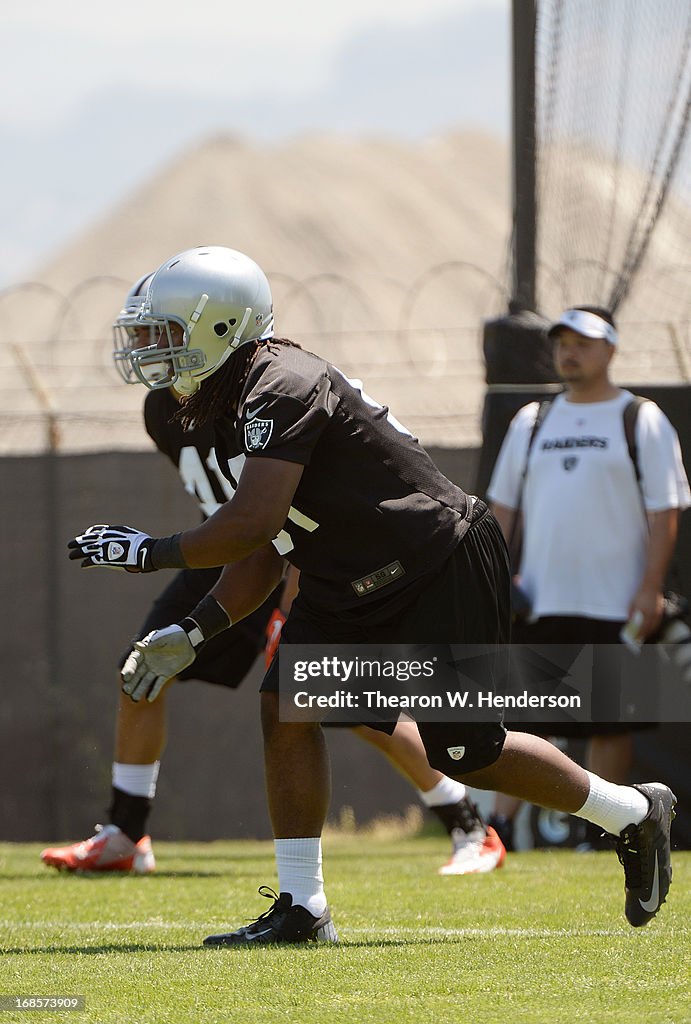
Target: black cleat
{"type": "Point", "coordinates": [644, 851]}
{"type": "Point", "coordinates": [281, 923]}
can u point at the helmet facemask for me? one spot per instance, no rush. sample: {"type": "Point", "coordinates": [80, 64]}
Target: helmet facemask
{"type": "Point", "coordinates": [127, 334]}
{"type": "Point", "coordinates": [136, 353]}
{"type": "Point", "coordinates": [167, 356]}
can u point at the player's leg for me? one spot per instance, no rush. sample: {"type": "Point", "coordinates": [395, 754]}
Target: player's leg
{"type": "Point", "coordinates": [505, 808]}
{"type": "Point", "coordinates": [529, 767]}
{"type": "Point", "coordinates": [474, 847]}
{"type": "Point", "coordinates": [610, 747]}
{"type": "Point", "coordinates": [140, 739]}
{"type": "Point", "coordinates": [504, 812]}
{"type": "Point", "coordinates": [298, 784]}
{"type": "Point", "coordinates": [123, 844]}
{"type": "Point", "coordinates": [298, 787]}
{"type": "Point", "coordinates": [611, 756]}
{"type": "Point", "coordinates": [297, 773]}
{"type": "Point", "coordinates": [140, 733]}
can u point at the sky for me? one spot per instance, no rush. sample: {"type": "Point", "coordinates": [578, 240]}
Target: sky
{"type": "Point", "coordinates": [63, 52]}
{"type": "Point", "coordinates": [96, 98]}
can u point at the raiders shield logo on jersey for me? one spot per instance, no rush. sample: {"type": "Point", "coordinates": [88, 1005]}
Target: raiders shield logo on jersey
{"type": "Point", "coordinates": [570, 462]}
{"type": "Point", "coordinates": [257, 434]}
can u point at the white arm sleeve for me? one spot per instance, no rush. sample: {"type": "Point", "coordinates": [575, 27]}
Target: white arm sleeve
{"type": "Point", "coordinates": [663, 478]}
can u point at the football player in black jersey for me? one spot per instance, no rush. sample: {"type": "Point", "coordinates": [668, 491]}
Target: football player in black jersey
{"type": "Point", "coordinates": [124, 844]}
{"type": "Point", "coordinates": [389, 550]}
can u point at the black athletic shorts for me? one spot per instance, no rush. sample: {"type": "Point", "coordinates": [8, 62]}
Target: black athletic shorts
{"type": "Point", "coordinates": [465, 601]}
{"type": "Point", "coordinates": [225, 659]}
{"type": "Point", "coordinates": [606, 693]}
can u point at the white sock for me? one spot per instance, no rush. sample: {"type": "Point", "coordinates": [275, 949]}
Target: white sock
{"type": "Point", "coordinates": [446, 791]}
{"type": "Point", "coordinates": [136, 779]}
{"type": "Point", "coordinates": [299, 863]}
{"type": "Point", "coordinates": [613, 807]}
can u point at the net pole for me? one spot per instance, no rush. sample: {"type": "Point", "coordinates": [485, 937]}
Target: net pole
{"type": "Point", "coordinates": [524, 22]}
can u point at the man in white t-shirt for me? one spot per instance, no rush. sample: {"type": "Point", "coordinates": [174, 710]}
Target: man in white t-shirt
{"type": "Point", "coordinates": [596, 542]}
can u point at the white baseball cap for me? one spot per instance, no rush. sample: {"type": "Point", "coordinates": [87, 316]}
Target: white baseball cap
{"type": "Point", "coordinates": [590, 325]}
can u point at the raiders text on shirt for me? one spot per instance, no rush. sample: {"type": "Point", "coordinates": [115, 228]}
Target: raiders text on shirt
{"type": "Point", "coordinates": [574, 442]}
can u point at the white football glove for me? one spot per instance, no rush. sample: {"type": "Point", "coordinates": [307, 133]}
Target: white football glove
{"type": "Point", "coordinates": [115, 547]}
{"type": "Point", "coordinates": [155, 660]}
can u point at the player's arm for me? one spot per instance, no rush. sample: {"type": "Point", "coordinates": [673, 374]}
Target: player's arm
{"type": "Point", "coordinates": [250, 520]}
{"type": "Point", "coordinates": [506, 486]}
{"type": "Point", "coordinates": [648, 601]}
{"type": "Point", "coordinates": [665, 493]}
{"type": "Point", "coordinates": [164, 653]}
{"type": "Point", "coordinates": [244, 586]}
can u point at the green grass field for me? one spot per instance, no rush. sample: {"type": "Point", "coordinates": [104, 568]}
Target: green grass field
{"type": "Point", "coordinates": [542, 940]}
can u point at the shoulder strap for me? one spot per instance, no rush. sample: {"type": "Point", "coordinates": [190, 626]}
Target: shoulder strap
{"type": "Point", "coordinates": [630, 415]}
{"type": "Point", "coordinates": [542, 411]}
{"type": "Point", "coordinates": [514, 540]}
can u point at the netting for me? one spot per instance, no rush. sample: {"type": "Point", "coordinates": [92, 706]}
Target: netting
{"type": "Point", "coordinates": [613, 83]}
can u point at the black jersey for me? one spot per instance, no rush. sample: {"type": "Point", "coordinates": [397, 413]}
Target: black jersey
{"type": "Point", "coordinates": [191, 452]}
{"type": "Point", "coordinates": [371, 511]}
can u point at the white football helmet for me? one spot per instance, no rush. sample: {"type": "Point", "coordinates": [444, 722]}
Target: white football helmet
{"type": "Point", "coordinates": [201, 306]}
{"type": "Point", "coordinates": [126, 335]}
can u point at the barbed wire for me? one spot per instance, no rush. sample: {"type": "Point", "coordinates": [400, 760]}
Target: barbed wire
{"type": "Point", "coordinates": [418, 343]}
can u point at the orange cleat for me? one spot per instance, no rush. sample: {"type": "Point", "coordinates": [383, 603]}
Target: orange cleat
{"type": "Point", "coordinates": [108, 850]}
{"type": "Point", "coordinates": [475, 852]}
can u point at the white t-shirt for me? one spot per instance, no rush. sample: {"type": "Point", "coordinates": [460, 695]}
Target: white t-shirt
{"type": "Point", "coordinates": [585, 532]}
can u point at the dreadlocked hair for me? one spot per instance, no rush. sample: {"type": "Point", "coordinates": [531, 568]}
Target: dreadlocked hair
{"type": "Point", "coordinates": [220, 393]}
